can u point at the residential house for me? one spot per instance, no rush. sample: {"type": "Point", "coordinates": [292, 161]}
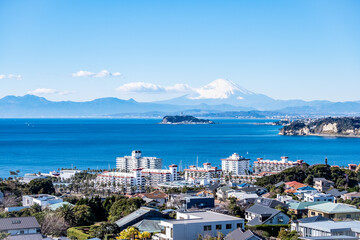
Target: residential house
{"type": "Point", "coordinates": [269, 202]}
{"type": "Point", "coordinates": [322, 184]}
{"type": "Point", "coordinates": [334, 211]}
{"type": "Point", "coordinates": [43, 200]}
{"type": "Point", "coordinates": [301, 208]}
{"type": "Point", "coordinates": [19, 225]}
{"type": "Point", "coordinates": [239, 234]}
{"type": "Point", "coordinates": [328, 229]}
{"type": "Point", "coordinates": [318, 197]}
{"type": "Point", "coordinates": [195, 200]}
{"type": "Point", "coordinates": [188, 225]}
{"type": "Point", "coordinates": [351, 196]}
{"type": "Point", "coordinates": [259, 214]}
{"type": "Point", "coordinates": [293, 186]}
{"type": "Point", "coordinates": [336, 193]}
{"type": "Point", "coordinates": [222, 192]}
{"type": "Point", "coordinates": [295, 223]}
{"type": "Point", "coordinates": [157, 196]}
{"type": "Point", "coordinates": [245, 197]}
{"type": "Point", "coordinates": [254, 190]}
{"type": "Point", "coordinates": [137, 216]}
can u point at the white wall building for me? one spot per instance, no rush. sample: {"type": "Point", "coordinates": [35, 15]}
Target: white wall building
{"type": "Point", "coordinates": [236, 165]}
{"type": "Point", "coordinates": [262, 165]}
{"type": "Point", "coordinates": [118, 181]}
{"type": "Point", "coordinates": [43, 200]}
{"type": "Point", "coordinates": [66, 174]}
{"type": "Point", "coordinates": [328, 228]}
{"type": "Point", "coordinates": [128, 163]}
{"type": "Point", "coordinates": [317, 197]}
{"type": "Point", "coordinates": [207, 172]}
{"type": "Point", "coordinates": [188, 225]}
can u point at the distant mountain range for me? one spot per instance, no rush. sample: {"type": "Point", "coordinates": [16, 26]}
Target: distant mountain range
{"type": "Point", "coordinates": [217, 99]}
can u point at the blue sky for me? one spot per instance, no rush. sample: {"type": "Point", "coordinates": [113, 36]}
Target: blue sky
{"type": "Point", "coordinates": [284, 49]}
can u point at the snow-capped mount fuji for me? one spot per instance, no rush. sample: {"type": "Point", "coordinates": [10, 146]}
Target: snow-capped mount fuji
{"type": "Point", "coordinates": [222, 91]}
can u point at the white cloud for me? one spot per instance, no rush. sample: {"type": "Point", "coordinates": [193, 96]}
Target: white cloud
{"type": "Point", "coordinates": [45, 91]}
{"type": "Point", "coordinates": [83, 74]}
{"type": "Point", "coordinates": [101, 74]}
{"type": "Point", "coordinates": [138, 87]}
{"type": "Point", "coordinates": [11, 76]}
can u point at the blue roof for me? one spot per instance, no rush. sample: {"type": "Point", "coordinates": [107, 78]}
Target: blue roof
{"type": "Point", "coordinates": [307, 188]}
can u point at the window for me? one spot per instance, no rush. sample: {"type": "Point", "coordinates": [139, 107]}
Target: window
{"type": "Point", "coordinates": [313, 213]}
{"type": "Point", "coordinates": [218, 227]}
{"type": "Point", "coordinates": [228, 226]}
{"type": "Point", "coordinates": [22, 232]}
{"type": "Point", "coordinates": [239, 225]}
{"type": "Point", "coordinates": [207, 228]}
{"type": "Point", "coordinates": [348, 216]}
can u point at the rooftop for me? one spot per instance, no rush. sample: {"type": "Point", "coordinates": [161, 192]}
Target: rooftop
{"type": "Point", "coordinates": [330, 226]}
{"type": "Point", "coordinates": [334, 208]}
{"type": "Point", "coordinates": [18, 223]}
{"type": "Point", "coordinates": [203, 216]}
{"type": "Point", "coordinates": [302, 205]}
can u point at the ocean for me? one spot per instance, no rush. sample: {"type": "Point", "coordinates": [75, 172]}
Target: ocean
{"type": "Point", "coordinates": [33, 145]}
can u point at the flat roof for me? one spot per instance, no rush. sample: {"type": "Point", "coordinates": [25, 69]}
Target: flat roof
{"type": "Point", "coordinates": [203, 216]}
{"type": "Point", "coordinates": [330, 226]}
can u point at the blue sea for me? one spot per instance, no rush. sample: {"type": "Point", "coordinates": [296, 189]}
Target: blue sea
{"type": "Point", "coordinates": [33, 145]}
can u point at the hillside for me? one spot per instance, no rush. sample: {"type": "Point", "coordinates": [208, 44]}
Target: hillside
{"type": "Point", "coordinates": [344, 126]}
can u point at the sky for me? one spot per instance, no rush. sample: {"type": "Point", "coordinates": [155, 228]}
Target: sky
{"type": "Point", "coordinates": [153, 50]}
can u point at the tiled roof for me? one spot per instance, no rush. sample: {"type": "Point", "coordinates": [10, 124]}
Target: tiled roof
{"type": "Point", "coordinates": [156, 195]}
{"type": "Point", "coordinates": [18, 223]}
{"type": "Point", "coordinates": [313, 219]}
{"type": "Point", "coordinates": [334, 208]}
{"type": "Point", "coordinates": [335, 192]}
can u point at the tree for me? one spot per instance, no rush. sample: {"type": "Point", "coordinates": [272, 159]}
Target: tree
{"type": "Point", "coordinates": [123, 207]}
{"type": "Point", "coordinates": [54, 225]}
{"type": "Point", "coordinates": [83, 215]}
{"type": "Point", "coordinates": [129, 233]}
{"type": "Point", "coordinates": [288, 235]}
{"type": "Point", "coordinates": [4, 235]}
{"type": "Point", "coordinates": [41, 186]}
{"type": "Point", "coordinates": [66, 211]}
{"type": "Point", "coordinates": [104, 229]}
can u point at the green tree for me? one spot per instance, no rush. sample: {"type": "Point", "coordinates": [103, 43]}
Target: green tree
{"type": "Point", "coordinates": [288, 235]}
{"type": "Point", "coordinates": [41, 186]}
{"type": "Point", "coordinates": [104, 229]}
{"type": "Point", "coordinates": [83, 215]}
{"type": "Point", "coordinates": [123, 207]}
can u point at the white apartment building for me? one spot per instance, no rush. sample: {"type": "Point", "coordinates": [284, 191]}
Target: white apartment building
{"type": "Point", "coordinates": [156, 176]}
{"type": "Point", "coordinates": [128, 163]}
{"type": "Point", "coordinates": [236, 165]}
{"type": "Point", "coordinates": [207, 172]}
{"type": "Point", "coordinates": [188, 225]}
{"type": "Point", "coordinates": [43, 200]}
{"type": "Point", "coordinates": [262, 165]}
{"type": "Point", "coordinates": [317, 197]}
{"type": "Point", "coordinates": [139, 177]}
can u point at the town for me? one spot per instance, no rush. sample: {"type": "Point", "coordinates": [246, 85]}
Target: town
{"type": "Point", "coordinates": [263, 199]}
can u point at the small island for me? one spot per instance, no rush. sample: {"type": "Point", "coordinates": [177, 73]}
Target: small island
{"type": "Point", "coordinates": [330, 126]}
{"type": "Point", "coordinates": [186, 119]}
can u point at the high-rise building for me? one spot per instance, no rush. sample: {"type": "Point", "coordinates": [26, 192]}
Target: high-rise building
{"type": "Point", "coordinates": [207, 172]}
{"type": "Point", "coordinates": [128, 163]}
{"type": "Point", "coordinates": [236, 165]}
{"type": "Point", "coordinates": [139, 178]}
